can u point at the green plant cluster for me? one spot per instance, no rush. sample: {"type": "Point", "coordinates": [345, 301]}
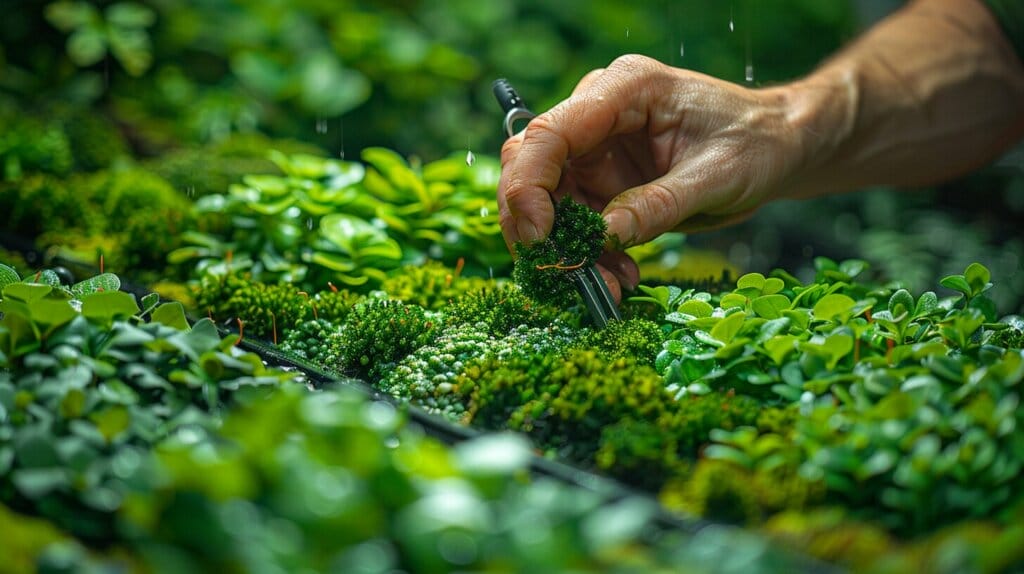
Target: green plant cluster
{"type": "Point", "coordinates": [431, 285]}
{"type": "Point", "coordinates": [543, 269]}
{"type": "Point", "coordinates": [314, 341]}
{"type": "Point", "coordinates": [769, 398]}
{"type": "Point", "coordinates": [333, 482]}
{"type": "Point", "coordinates": [380, 332]}
{"type": "Point", "coordinates": [330, 221]}
{"type": "Point", "coordinates": [86, 386]}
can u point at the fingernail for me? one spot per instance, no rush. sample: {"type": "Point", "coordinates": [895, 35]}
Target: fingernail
{"type": "Point", "coordinates": [528, 232]}
{"type": "Point", "coordinates": [622, 225]}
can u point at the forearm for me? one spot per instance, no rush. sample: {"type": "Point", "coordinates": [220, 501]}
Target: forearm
{"type": "Point", "coordinates": [932, 92]}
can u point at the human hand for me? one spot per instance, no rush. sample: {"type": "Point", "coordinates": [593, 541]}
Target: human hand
{"type": "Point", "coordinates": [655, 149]}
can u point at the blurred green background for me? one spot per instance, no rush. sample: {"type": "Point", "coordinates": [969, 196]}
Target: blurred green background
{"type": "Point", "coordinates": [415, 76]}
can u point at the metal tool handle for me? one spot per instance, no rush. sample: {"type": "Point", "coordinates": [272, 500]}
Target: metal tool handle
{"type": "Point", "coordinates": [514, 107]}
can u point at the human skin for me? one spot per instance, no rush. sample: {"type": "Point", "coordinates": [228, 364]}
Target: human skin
{"type": "Point", "coordinates": [931, 92]}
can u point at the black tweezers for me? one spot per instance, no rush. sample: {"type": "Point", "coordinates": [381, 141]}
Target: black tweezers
{"type": "Point", "coordinates": [588, 280]}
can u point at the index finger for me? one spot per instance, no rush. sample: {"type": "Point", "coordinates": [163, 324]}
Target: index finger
{"type": "Point", "coordinates": [613, 103]}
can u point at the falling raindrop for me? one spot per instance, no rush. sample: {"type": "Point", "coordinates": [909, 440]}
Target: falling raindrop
{"type": "Point", "coordinates": [309, 223]}
{"type": "Point", "coordinates": [470, 158]}
{"type": "Point", "coordinates": [732, 26]}
{"type": "Point", "coordinates": [750, 72]}
{"type": "Point", "coordinates": [484, 212]}
{"type": "Point", "coordinates": [190, 191]}
{"type": "Point", "coordinates": [682, 50]}
{"type": "Point", "coordinates": [627, 32]}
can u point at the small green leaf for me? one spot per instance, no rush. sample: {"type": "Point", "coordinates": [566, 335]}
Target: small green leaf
{"type": "Point", "coordinates": [727, 328]}
{"type": "Point", "coordinates": [696, 308]}
{"type": "Point", "coordinates": [977, 277]}
{"type": "Point", "coordinates": [103, 282]}
{"type": "Point", "coordinates": [7, 276]}
{"type": "Point", "coordinates": [770, 306]}
{"type": "Point", "coordinates": [171, 314]}
{"type": "Point", "coordinates": [105, 306]}
{"type": "Point", "coordinates": [957, 283]}
{"type": "Point", "coordinates": [751, 281]}
{"type": "Point", "coordinates": [111, 422]}
{"type": "Point", "coordinates": [901, 303]}
{"type": "Point", "coordinates": [833, 307]}
{"type": "Point", "coordinates": [772, 285]}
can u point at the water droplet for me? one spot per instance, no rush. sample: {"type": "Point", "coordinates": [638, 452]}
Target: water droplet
{"type": "Point", "coordinates": [341, 154]}
{"type": "Point", "coordinates": [470, 158]}
{"type": "Point", "coordinates": [732, 26]}
{"type": "Point", "coordinates": [749, 72]}
{"type": "Point", "coordinates": [190, 191]}
{"type": "Point", "coordinates": [490, 272]}
{"type": "Point", "coordinates": [682, 50]}
{"type": "Point", "coordinates": [627, 32]}
{"type": "Point", "coordinates": [309, 223]}
{"type": "Point", "coordinates": [484, 212]}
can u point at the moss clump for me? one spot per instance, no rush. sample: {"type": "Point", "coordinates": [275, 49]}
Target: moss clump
{"type": "Point", "coordinates": [335, 306]}
{"type": "Point", "coordinates": [28, 145]}
{"type": "Point", "coordinates": [316, 341]}
{"type": "Point", "coordinates": [501, 309]}
{"type": "Point", "coordinates": [431, 285]}
{"type": "Point", "coordinates": [379, 333]}
{"type": "Point", "coordinates": [637, 338]}
{"type": "Point", "coordinates": [576, 240]}
{"type": "Point", "coordinates": [266, 310]}
{"type": "Point", "coordinates": [41, 203]}
{"type": "Point", "coordinates": [716, 491]}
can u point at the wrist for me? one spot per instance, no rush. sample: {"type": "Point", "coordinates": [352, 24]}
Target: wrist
{"type": "Point", "coordinates": [820, 112]}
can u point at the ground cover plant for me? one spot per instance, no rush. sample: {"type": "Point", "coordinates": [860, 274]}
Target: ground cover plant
{"type": "Point", "coordinates": [838, 409]}
{"type": "Point", "coordinates": [141, 441]}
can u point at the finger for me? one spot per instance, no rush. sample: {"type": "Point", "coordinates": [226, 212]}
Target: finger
{"type": "Point", "coordinates": [613, 102]}
{"type": "Point", "coordinates": [508, 227]}
{"type": "Point", "coordinates": [622, 267]}
{"type": "Point", "coordinates": [587, 80]}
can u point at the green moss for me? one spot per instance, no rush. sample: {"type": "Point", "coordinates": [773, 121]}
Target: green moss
{"type": "Point", "coordinates": [96, 142]}
{"type": "Point", "coordinates": [316, 341]}
{"type": "Point", "coordinates": [28, 145]}
{"type": "Point", "coordinates": [716, 491]}
{"type": "Point", "coordinates": [576, 239]}
{"type": "Point", "coordinates": [267, 311]}
{"type": "Point", "coordinates": [378, 333]}
{"type": "Point", "coordinates": [639, 452]}
{"type": "Point", "coordinates": [637, 338]}
{"type": "Point", "coordinates": [431, 285]}
{"type": "Point", "coordinates": [501, 309]}
{"type": "Point", "coordinates": [40, 203]}
{"type": "Point", "coordinates": [335, 306]}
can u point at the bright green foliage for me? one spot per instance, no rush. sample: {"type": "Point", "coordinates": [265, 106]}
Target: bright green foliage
{"type": "Point", "coordinates": [637, 338]}
{"type": "Point", "coordinates": [333, 305]}
{"type": "Point", "coordinates": [431, 285]}
{"type": "Point", "coordinates": [212, 168]}
{"type": "Point", "coordinates": [576, 239]}
{"type": "Point", "coordinates": [267, 311]}
{"type": "Point", "coordinates": [39, 203]}
{"type": "Point", "coordinates": [30, 146]}
{"type": "Point", "coordinates": [315, 341]}
{"type": "Point", "coordinates": [378, 333]}
{"type": "Point", "coordinates": [331, 481]}
{"type": "Point", "coordinates": [501, 309]}
{"type": "Point", "coordinates": [429, 376]}
{"type": "Point", "coordinates": [348, 223]}
{"type": "Point", "coordinates": [83, 395]}
{"type": "Point", "coordinates": [95, 141]}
